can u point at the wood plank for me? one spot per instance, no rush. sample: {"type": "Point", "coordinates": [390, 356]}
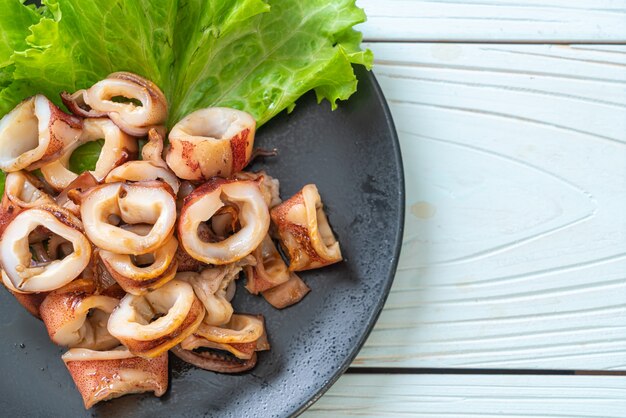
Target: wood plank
{"type": "Point", "coordinates": [462, 396]}
{"type": "Point", "coordinates": [495, 20]}
{"type": "Point", "coordinates": [514, 253]}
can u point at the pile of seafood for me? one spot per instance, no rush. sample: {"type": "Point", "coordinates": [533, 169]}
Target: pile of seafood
{"type": "Point", "coordinates": [140, 256]}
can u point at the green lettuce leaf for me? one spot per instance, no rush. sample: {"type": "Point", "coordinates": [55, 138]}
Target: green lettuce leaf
{"type": "Point", "coordinates": [266, 64]}
{"type": "Point", "coordinates": [15, 21]}
{"type": "Point", "coordinates": [80, 42]}
{"type": "Point", "coordinates": [255, 55]}
{"type": "Point", "coordinates": [85, 156]}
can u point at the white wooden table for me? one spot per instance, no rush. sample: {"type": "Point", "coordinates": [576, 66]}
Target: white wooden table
{"type": "Point", "coordinates": [510, 297]}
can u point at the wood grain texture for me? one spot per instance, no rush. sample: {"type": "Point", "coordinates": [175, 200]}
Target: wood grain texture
{"type": "Point", "coordinates": [495, 20]}
{"type": "Point", "coordinates": [514, 253]}
{"type": "Point", "coordinates": [473, 396]}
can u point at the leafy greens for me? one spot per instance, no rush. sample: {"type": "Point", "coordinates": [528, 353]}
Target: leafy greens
{"type": "Point", "coordinates": [255, 55]}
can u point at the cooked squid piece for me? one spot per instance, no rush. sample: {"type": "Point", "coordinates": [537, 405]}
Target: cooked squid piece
{"type": "Point", "coordinates": [105, 283]}
{"type": "Point", "coordinates": [215, 361]}
{"type": "Point", "coordinates": [142, 273]}
{"type": "Point", "coordinates": [155, 322]}
{"type": "Point", "coordinates": [130, 101]}
{"type": "Point", "coordinates": [76, 317]}
{"type": "Point", "coordinates": [29, 275]}
{"type": "Point", "coordinates": [242, 201]}
{"type": "Point", "coordinates": [82, 183]}
{"type": "Point", "coordinates": [270, 187]}
{"type": "Point", "coordinates": [288, 293]}
{"type": "Point", "coordinates": [231, 348]}
{"type": "Point", "coordinates": [25, 190]}
{"type": "Point", "coordinates": [104, 375]}
{"type": "Point", "coordinates": [151, 167]}
{"type": "Point", "coordinates": [215, 287]}
{"type": "Point", "coordinates": [215, 141]}
{"type": "Point", "coordinates": [118, 148]}
{"type": "Point", "coordinates": [242, 336]}
{"type": "Point", "coordinates": [35, 133]}
{"type": "Point", "coordinates": [304, 231]}
{"type": "Point", "coordinates": [269, 270]}
{"type": "Point", "coordinates": [22, 190]}
{"type": "Point", "coordinates": [187, 263]}
{"type": "Point", "coordinates": [150, 203]}
{"type": "Point", "coordinates": [30, 301]}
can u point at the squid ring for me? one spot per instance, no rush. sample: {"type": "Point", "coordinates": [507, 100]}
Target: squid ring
{"type": "Point", "coordinates": [157, 268]}
{"type": "Point", "coordinates": [75, 317]}
{"type": "Point", "coordinates": [22, 190]}
{"type": "Point", "coordinates": [83, 182]}
{"type": "Point", "coordinates": [134, 325]}
{"type": "Point", "coordinates": [143, 171]}
{"type": "Point", "coordinates": [239, 336]}
{"type": "Point", "coordinates": [215, 141]}
{"type": "Point", "coordinates": [206, 201]}
{"type": "Point", "coordinates": [148, 203]}
{"type": "Point", "coordinates": [98, 101]}
{"type": "Point", "coordinates": [25, 190]}
{"type": "Point", "coordinates": [118, 148]}
{"type": "Point", "coordinates": [34, 133]}
{"type": "Point", "coordinates": [151, 167]}
{"type": "Point", "coordinates": [270, 187]}
{"type": "Point", "coordinates": [104, 375]}
{"type": "Point", "coordinates": [16, 256]}
{"type": "Point", "coordinates": [304, 231]}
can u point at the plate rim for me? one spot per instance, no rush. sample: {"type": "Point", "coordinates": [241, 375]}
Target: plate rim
{"type": "Point", "coordinates": [395, 144]}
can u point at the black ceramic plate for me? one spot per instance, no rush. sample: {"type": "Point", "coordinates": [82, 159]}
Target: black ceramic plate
{"type": "Point", "coordinates": [353, 156]}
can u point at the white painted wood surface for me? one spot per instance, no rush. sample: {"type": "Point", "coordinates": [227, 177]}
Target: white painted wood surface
{"type": "Point", "coordinates": [456, 396]}
{"type": "Point", "coordinates": [515, 245]}
{"type": "Point", "coordinates": [514, 254]}
{"type": "Point", "coordinates": [495, 20]}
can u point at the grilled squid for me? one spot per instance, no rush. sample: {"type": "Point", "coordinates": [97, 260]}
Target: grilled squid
{"type": "Point", "coordinates": [239, 201]}
{"type": "Point", "coordinates": [242, 336]}
{"type": "Point", "coordinates": [81, 184]}
{"type": "Point", "coordinates": [269, 270]}
{"type": "Point", "coordinates": [35, 133]}
{"type": "Point", "coordinates": [215, 141]}
{"type": "Point", "coordinates": [150, 203]}
{"type": "Point", "coordinates": [142, 273]}
{"type": "Point", "coordinates": [105, 283]}
{"type": "Point", "coordinates": [151, 167]}
{"type": "Point", "coordinates": [25, 190]}
{"type": "Point", "coordinates": [130, 101]}
{"type": "Point", "coordinates": [22, 190]}
{"type": "Point", "coordinates": [76, 317]}
{"type": "Point", "coordinates": [304, 231]}
{"type": "Point", "coordinates": [270, 187]}
{"type": "Point", "coordinates": [188, 263]}
{"type": "Point", "coordinates": [288, 293]}
{"type": "Point", "coordinates": [39, 274]}
{"type": "Point", "coordinates": [155, 322]}
{"type": "Point", "coordinates": [118, 148]}
{"type": "Point", "coordinates": [233, 346]}
{"type": "Point", "coordinates": [215, 287]}
{"type": "Point", "coordinates": [104, 375]}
